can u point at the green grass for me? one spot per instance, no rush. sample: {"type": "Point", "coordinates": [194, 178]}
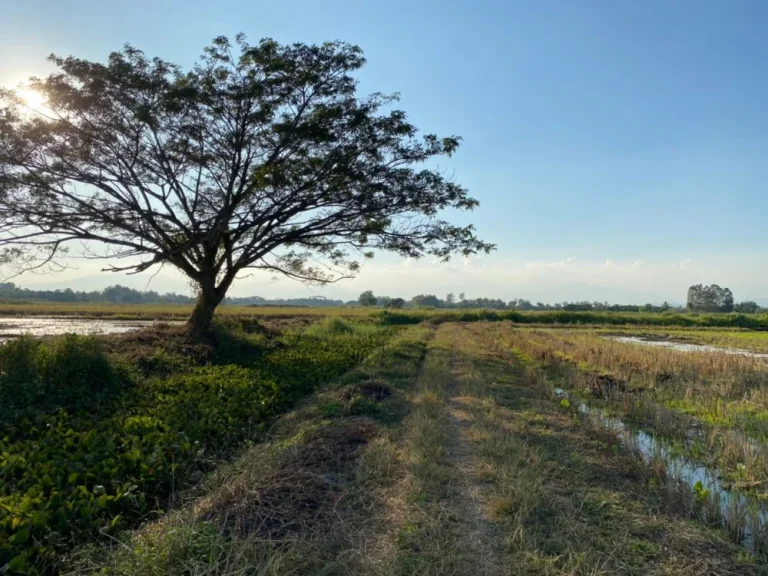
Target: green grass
{"type": "Point", "coordinates": [754, 321]}
{"type": "Point", "coordinates": [390, 317]}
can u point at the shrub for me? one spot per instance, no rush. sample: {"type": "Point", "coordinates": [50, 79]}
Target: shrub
{"type": "Point", "coordinates": [71, 373]}
{"type": "Point", "coordinates": [163, 363]}
{"type": "Point", "coordinates": [335, 326]}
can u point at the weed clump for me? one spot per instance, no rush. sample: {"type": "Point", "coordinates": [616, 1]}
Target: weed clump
{"type": "Point", "coordinates": [40, 377]}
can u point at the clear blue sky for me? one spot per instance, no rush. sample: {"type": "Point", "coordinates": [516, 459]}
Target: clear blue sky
{"type": "Point", "coordinates": [603, 138]}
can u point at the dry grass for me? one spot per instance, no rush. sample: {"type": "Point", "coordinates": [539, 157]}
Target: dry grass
{"type": "Point", "coordinates": [757, 341]}
{"type": "Point", "coordinates": [571, 501]}
{"type": "Point", "coordinates": [442, 527]}
{"type": "Point", "coordinates": [723, 397]}
{"type": "Point", "coordinates": [721, 389]}
{"type": "Point", "coordinates": [300, 503]}
{"type": "Point", "coordinates": [440, 456]}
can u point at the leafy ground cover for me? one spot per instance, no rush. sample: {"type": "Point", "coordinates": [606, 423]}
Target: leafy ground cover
{"type": "Point", "coordinates": [93, 441]}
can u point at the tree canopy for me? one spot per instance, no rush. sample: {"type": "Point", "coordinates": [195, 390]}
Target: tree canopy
{"type": "Point", "coordinates": [747, 307]}
{"type": "Point", "coordinates": [710, 298]}
{"type": "Point", "coordinates": [367, 298]}
{"type": "Point", "coordinates": [258, 157]}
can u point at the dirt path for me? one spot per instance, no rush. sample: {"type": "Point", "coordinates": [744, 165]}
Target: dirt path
{"type": "Point", "coordinates": [480, 536]}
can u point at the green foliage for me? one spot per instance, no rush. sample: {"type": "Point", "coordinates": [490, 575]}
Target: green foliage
{"type": "Point", "coordinates": [184, 549]}
{"type": "Point", "coordinates": [335, 326]}
{"type": "Point", "coordinates": [367, 298]}
{"type": "Point", "coordinates": [702, 494]}
{"type": "Point", "coordinates": [162, 363]}
{"type": "Point", "coordinates": [391, 318]}
{"type": "Point", "coordinates": [70, 373]}
{"type": "Point", "coordinates": [331, 326]}
{"type": "Point", "coordinates": [748, 307]}
{"type": "Point", "coordinates": [710, 298]}
{"type": "Point", "coordinates": [426, 301]}
{"type": "Point", "coordinates": [71, 473]}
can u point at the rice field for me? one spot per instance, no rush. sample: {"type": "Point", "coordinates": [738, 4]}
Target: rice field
{"type": "Point", "coordinates": [347, 445]}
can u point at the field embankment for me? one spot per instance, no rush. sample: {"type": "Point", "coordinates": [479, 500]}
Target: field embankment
{"type": "Point", "coordinates": [443, 453]}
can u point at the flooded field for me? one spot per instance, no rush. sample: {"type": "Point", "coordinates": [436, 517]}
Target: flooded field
{"type": "Point", "coordinates": [686, 346]}
{"type": "Point", "coordinates": [694, 412]}
{"type": "Point", "coordinates": [14, 327]}
{"type": "Point", "coordinates": [743, 515]}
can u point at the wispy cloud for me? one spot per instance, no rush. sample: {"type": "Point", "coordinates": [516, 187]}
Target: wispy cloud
{"type": "Point", "coordinates": [685, 264]}
{"type": "Point", "coordinates": [549, 264]}
{"type": "Point", "coordinates": [637, 264]}
{"type": "Point", "coordinates": [608, 262]}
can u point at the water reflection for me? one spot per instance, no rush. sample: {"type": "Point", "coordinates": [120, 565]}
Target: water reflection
{"type": "Point", "coordinates": [744, 516]}
{"type": "Point", "coordinates": [13, 327]}
{"type": "Point", "coordinates": [686, 347]}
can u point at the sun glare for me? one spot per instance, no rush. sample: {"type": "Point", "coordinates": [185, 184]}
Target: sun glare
{"type": "Point", "coordinates": [31, 98]}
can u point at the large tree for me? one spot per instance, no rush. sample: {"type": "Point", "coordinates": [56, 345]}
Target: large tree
{"type": "Point", "coordinates": [710, 298]}
{"type": "Point", "coordinates": [259, 157]}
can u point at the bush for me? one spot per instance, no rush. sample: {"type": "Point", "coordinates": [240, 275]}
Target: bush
{"type": "Point", "coordinates": [335, 326]}
{"type": "Point", "coordinates": [70, 373]}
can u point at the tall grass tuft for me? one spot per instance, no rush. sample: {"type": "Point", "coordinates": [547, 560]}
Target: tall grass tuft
{"type": "Point", "coordinates": [35, 376]}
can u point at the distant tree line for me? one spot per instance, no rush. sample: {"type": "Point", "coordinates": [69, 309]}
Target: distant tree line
{"type": "Point", "coordinates": [124, 295]}
{"type": "Point", "coordinates": [312, 301]}
{"type": "Point", "coordinates": [700, 299]}
{"type": "Point", "coordinates": [368, 298]}
{"type": "Point", "coordinates": [113, 294]}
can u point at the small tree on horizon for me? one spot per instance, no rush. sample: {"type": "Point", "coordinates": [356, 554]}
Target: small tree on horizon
{"type": "Point", "coordinates": [747, 307]}
{"type": "Point", "coordinates": [259, 157]}
{"type": "Point", "coordinates": [709, 298]}
{"type": "Point", "coordinates": [367, 298]}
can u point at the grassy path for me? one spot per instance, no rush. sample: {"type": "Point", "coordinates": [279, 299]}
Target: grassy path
{"type": "Point", "coordinates": [501, 480]}
{"type": "Point", "coordinates": [441, 456]}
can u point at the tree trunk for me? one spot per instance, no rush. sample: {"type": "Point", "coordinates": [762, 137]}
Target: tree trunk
{"type": "Point", "coordinates": [199, 325]}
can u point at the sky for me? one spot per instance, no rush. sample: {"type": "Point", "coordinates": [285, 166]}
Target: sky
{"type": "Point", "coordinates": [618, 149]}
